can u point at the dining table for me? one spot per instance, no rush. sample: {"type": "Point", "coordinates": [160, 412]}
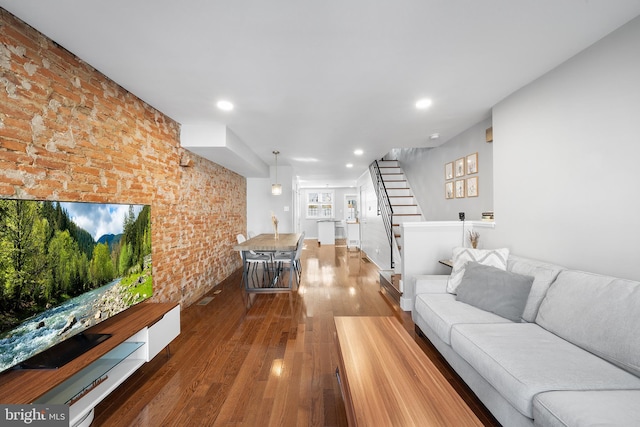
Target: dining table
{"type": "Point", "coordinates": [270, 244]}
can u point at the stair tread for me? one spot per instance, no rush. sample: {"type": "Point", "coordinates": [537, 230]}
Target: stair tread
{"type": "Point", "coordinates": [398, 190]}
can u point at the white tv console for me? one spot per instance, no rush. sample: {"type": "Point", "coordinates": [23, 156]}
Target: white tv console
{"type": "Point", "coordinates": [138, 335]}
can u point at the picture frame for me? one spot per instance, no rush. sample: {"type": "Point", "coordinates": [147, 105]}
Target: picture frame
{"type": "Point", "coordinates": [472, 186]}
{"type": "Point", "coordinates": [472, 163]}
{"type": "Point", "coordinates": [448, 171]}
{"type": "Point", "coordinates": [459, 167]}
{"type": "Point", "coordinates": [448, 188]}
{"type": "Point", "coordinates": [459, 189]}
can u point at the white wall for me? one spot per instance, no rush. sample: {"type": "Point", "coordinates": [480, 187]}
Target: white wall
{"type": "Point", "coordinates": [424, 169]}
{"type": "Point", "coordinates": [373, 237]}
{"type": "Point", "coordinates": [260, 202]}
{"type": "Point", "coordinates": [566, 151]}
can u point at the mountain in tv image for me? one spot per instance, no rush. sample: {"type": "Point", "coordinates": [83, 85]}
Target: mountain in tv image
{"type": "Point", "coordinates": [110, 239]}
{"type": "Point", "coordinates": [66, 266]}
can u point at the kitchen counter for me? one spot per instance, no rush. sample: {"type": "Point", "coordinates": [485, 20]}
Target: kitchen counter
{"type": "Point", "coordinates": [327, 231]}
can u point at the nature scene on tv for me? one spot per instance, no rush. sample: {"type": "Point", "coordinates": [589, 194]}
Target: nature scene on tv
{"type": "Point", "coordinates": [65, 267]}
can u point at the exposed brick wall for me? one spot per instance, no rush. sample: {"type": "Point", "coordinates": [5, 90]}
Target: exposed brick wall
{"type": "Point", "coordinates": [69, 133]}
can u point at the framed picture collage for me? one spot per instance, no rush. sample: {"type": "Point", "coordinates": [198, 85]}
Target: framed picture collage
{"type": "Point", "coordinates": [460, 177]}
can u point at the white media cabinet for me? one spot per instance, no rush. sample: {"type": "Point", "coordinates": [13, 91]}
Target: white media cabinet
{"type": "Point", "coordinates": [137, 336]}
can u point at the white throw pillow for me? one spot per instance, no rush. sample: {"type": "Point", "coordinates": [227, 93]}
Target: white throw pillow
{"type": "Point", "coordinates": [461, 256]}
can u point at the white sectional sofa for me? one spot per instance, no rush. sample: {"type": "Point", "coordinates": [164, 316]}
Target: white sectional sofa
{"type": "Point", "coordinates": [571, 359]}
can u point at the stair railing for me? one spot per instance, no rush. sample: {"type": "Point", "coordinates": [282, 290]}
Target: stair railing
{"type": "Point", "coordinates": [384, 204]}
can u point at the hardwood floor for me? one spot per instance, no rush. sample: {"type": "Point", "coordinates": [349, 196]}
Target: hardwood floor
{"type": "Point", "coordinates": [262, 360]}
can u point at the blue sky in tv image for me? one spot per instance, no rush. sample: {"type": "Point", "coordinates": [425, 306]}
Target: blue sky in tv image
{"type": "Point", "coordinates": [99, 219]}
{"type": "Point", "coordinates": [45, 329]}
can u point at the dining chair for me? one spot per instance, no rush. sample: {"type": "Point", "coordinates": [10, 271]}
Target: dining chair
{"type": "Point", "coordinates": [252, 259]}
{"type": "Point", "coordinates": [297, 264]}
{"type": "Point", "coordinates": [291, 258]}
{"type": "Point", "coordinates": [251, 235]}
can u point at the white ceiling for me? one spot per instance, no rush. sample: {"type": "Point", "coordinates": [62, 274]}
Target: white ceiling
{"type": "Point", "coordinates": [318, 79]}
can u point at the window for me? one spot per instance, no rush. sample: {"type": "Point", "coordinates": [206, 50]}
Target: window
{"type": "Point", "coordinates": [320, 204]}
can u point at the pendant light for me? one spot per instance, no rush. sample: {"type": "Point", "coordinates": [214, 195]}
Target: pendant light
{"type": "Point", "coordinates": [276, 189]}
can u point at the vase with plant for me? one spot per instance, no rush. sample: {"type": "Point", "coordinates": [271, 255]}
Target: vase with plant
{"type": "Point", "coordinates": [474, 236]}
{"type": "Point", "coordinates": [274, 221]}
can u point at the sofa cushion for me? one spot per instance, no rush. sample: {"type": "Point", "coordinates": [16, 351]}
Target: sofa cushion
{"type": "Point", "coordinates": [543, 276]}
{"type": "Point", "coordinates": [431, 284]}
{"type": "Point", "coordinates": [501, 292]}
{"type": "Point", "coordinates": [521, 360]}
{"type": "Point", "coordinates": [442, 311]}
{"type": "Point", "coordinates": [587, 408]}
{"type": "Point", "coordinates": [461, 256]}
{"type": "Point", "coordinates": [598, 313]}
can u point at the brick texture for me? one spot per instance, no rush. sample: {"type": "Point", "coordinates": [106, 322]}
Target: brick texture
{"type": "Point", "coordinates": [69, 133]}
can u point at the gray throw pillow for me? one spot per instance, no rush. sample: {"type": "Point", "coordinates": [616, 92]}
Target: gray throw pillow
{"type": "Point", "coordinates": [498, 291]}
{"type": "Point", "coordinates": [461, 256]}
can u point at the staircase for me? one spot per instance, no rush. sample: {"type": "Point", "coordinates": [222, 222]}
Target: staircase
{"type": "Point", "coordinates": [397, 205]}
{"type": "Point", "coordinates": [401, 199]}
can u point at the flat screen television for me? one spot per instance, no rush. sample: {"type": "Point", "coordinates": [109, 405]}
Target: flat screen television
{"type": "Point", "coordinates": [64, 267]}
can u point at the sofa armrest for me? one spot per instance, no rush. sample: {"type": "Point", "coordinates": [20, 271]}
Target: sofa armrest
{"type": "Point", "coordinates": [431, 284]}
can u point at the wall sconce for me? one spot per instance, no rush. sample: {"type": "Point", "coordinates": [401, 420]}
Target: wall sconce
{"type": "Point", "coordinates": [276, 189]}
{"type": "Point", "coordinates": [185, 160]}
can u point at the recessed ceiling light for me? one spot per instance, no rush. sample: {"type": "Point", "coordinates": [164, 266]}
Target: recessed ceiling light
{"type": "Point", "coordinates": [224, 105]}
{"type": "Point", "coordinates": [349, 165]}
{"type": "Point", "coordinates": [434, 136]}
{"type": "Point", "coordinates": [423, 103]}
{"type": "Point", "coordinates": [358, 152]}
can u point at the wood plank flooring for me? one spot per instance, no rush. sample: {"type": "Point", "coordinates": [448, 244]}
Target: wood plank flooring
{"type": "Point", "coordinates": [263, 360]}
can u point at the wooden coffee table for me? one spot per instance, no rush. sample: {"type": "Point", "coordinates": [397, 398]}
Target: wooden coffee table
{"type": "Point", "coordinates": [387, 380]}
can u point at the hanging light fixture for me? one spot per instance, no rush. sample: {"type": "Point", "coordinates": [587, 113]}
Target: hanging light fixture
{"type": "Point", "coordinates": [276, 189]}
